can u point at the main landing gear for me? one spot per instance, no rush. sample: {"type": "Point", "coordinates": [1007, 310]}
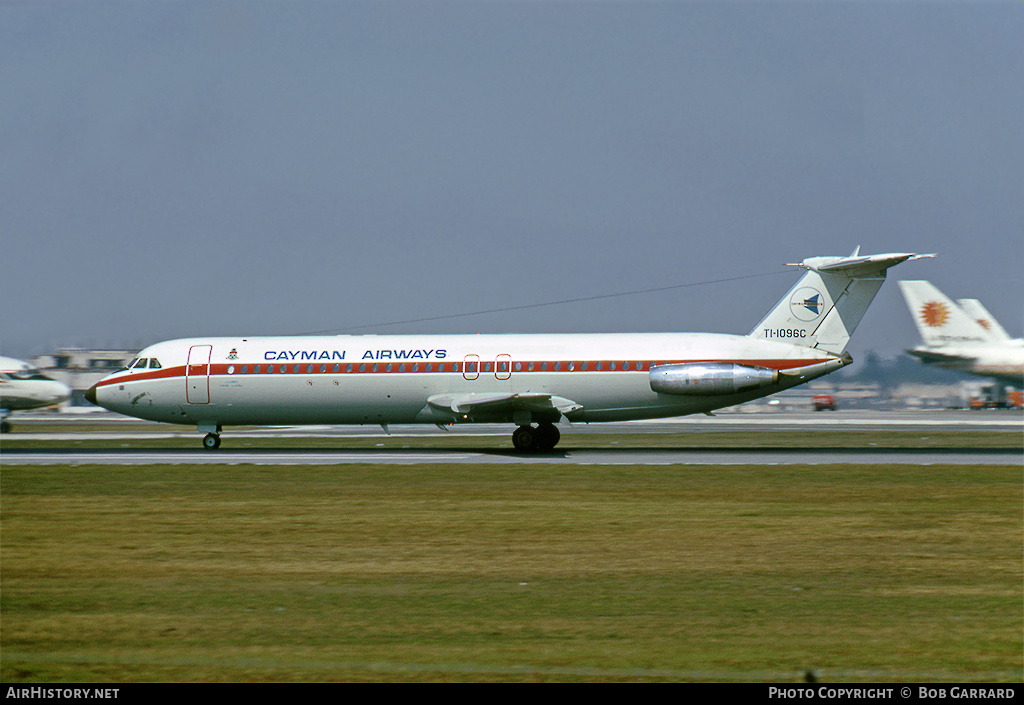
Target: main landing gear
{"type": "Point", "coordinates": [542, 437]}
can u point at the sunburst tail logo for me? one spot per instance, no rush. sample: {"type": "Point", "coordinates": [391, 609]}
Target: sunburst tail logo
{"type": "Point", "coordinates": [935, 314]}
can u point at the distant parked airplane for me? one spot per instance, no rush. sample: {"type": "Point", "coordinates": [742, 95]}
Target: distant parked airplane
{"type": "Point", "coordinates": [963, 337]}
{"type": "Point", "coordinates": [24, 387]}
{"type": "Point", "coordinates": [520, 379]}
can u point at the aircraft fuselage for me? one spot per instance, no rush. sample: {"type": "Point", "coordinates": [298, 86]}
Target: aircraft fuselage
{"type": "Point", "coordinates": [397, 379]}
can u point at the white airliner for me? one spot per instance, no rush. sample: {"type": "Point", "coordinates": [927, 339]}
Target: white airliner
{"type": "Point", "coordinates": [24, 387]}
{"type": "Point", "coordinates": [532, 381]}
{"type": "Point", "coordinates": [963, 337]}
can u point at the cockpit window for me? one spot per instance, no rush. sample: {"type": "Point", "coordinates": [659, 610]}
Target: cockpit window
{"type": "Point", "coordinates": [154, 364]}
{"type": "Point", "coordinates": [131, 364]}
{"type": "Point", "coordinates": [141, 364]}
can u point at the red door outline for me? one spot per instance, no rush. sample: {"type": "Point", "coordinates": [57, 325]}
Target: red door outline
{"type": "Point", "coordinates": [471, 366]}
{"type": "Point", "coordinates": [197, 374]}
{"type": "Point", "coordinates": [504, 359]}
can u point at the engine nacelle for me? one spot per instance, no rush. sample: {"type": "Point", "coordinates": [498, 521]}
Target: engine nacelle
{"type": "Point", "coordinates": [709, 378]}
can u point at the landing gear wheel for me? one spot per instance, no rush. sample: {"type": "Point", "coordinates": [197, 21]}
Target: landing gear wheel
{"type": "Point", "coordinates": [547, 436]}
{"type": "Point", "coordinates": [211, 441]}
{"type": "Point", "coordinates": [536, 438]}
{"type": "Point", "coordinates": [5, 426]}
{"type": "Point", "coordinates": [524, 438]}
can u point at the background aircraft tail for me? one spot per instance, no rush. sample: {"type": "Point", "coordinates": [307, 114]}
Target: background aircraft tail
{"type": "Point", "coordinates": [985, 319]}
{"type": "Point", "coordinates": [824, 307]}
{"type": "Point", "coordinates": [939, 320]}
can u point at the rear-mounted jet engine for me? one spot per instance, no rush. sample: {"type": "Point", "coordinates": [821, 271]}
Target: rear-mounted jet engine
{"type": "Point", "coordinates": [704, 378]}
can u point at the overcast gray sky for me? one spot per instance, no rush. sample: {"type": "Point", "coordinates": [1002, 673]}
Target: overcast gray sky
{"type": "Point", "coordinates": [177, 169]}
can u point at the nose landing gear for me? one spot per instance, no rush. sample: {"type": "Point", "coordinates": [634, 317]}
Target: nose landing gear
{"type": "Point", "coordinates": [542, 437]}
{"type": "Point", "coordinates": [211, 441]}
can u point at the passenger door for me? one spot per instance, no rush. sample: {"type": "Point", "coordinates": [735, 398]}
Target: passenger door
{"type": "Point", "coordinates": [197, 374]}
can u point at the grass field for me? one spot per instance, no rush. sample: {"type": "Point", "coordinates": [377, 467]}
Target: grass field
{"type": "Point", "coordinates": [511, 572]}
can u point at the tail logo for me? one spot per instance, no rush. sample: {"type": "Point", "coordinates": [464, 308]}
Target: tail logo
{"type": "Point", "coordinates": [935, 314]}
{"type": "Point", "coordinates": [806, 303]}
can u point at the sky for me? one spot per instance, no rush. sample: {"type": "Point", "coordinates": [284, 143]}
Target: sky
{"type": "Point", "coordinates": [185, 169]}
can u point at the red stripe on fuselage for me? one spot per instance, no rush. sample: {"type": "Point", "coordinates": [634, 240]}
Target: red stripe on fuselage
{"type": "Point", "coordinates": [453, 367]}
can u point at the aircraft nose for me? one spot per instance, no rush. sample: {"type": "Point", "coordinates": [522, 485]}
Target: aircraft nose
{"type": "Point", "coordinates": [90, 395]}
{"type": "Point", "coordinates": [63, 393]}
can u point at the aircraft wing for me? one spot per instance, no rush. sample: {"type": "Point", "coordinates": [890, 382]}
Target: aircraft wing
{"type": "Point", "coordinates": [938, 357]}
{"type": "Point", "coordinates": [490, 404]}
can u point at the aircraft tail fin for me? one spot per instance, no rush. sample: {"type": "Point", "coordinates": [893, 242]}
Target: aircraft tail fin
{"type": "Point", "coordinates": [939, 320]}
{"type": "Point", "coordinates": [979, 313]}
{"type": "Point", "coordinates": [824, 307]}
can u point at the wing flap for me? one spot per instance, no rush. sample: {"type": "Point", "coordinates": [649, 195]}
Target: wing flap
{"type": "Point", "coordinates": [472, 403]}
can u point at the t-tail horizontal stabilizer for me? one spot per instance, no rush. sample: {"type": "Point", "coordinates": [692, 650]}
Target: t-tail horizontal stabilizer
{"type": "Point", "coordinates": [824, 307]}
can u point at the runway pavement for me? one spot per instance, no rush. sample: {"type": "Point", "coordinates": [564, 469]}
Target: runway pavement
{"type": "Point", "coordinates": [60, 444]}
{"type": "Point", "coordinates": [724, 420]}
{"type": "Point", "coordinates": [596, 456]}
